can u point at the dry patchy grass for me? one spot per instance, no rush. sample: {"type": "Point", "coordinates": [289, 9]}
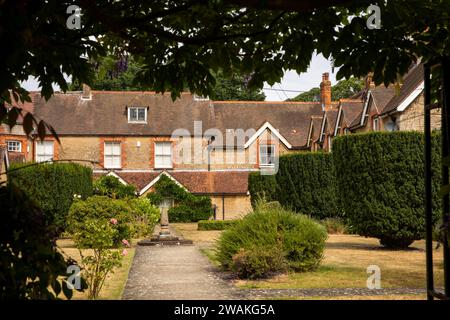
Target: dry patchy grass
{"type": "Point", "coordinates": [345, 263]}
{"type": "Point", "coordinates": [115, 282]}
{"type": "Point", "coordinates": [203, 238]}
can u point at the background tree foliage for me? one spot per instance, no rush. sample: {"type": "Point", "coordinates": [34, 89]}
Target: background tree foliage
{"type": "Point", "coordinates": [119, 73]}
{"type": "Point", "coordinates": [342, 89]}
{"type": "Point", "coordinates": [182, 44]}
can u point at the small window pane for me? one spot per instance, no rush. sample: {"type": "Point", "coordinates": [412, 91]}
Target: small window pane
{"type": "Point", "coordinates": [44, 151]}
{"type": "Point", "coordinates": [163, 155]}
{"type": "Point", "coordinates": [137, 114]}
{"type": "Point", "coordinates": [14, 146]}
{"type": "Point", "coordinates": [112, 155]}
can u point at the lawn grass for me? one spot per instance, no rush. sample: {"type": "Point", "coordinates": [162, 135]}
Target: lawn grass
{"type": "Point", "coordinates": [115, 282]}
{"type": "Point", "coordinates": [345, 263]}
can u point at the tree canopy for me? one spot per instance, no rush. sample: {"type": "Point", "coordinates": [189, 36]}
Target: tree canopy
{"type": "Point", "coordinates": [342, 89]}
{"type": "Point", "coordinates": [118, 72]}
{"type": "Point", "coordinates": [183, 43]}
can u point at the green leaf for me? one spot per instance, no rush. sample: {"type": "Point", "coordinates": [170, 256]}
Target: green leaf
{"type": "Point", "coordinates": [28, 123]}
{"type": "Point", "coordinates": [41, 129]}
{"type": "Point", "coordinates": [13, 114]}
{"type": "Point", "coordinates": [446, 161]}
{"type": "Point", "coordinates": [68, 293]}
{"type": "Point", "coordinates": [444, 190]}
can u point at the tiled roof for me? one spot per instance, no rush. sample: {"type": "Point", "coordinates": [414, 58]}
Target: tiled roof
{"type": "Point", "coordinates": [106, 114]}
{"type": "Point", "coordinates": [197, 182]}
{"type": "Point", "coordinates": [351, 109]}
{"type": "Point", "coordinates": [410, 83]}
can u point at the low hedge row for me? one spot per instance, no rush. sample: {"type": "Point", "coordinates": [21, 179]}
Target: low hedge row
{"type": "Point", "coordinates": [215, 224]}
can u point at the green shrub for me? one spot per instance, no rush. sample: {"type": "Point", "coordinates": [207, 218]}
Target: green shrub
{"type": "Point", "coordinates": [301, 239]}
{"type": "Point", "coordinates": [381, 184]}
{"type": "Point", "coordinates": [215, 224]}
{"type": "Point", "coordinates": [258, 262]}
{"type": "Point", "coordinates": [144, 215]}
{"type": "Point", "coordinates": [103, 209]}
{"type": "Point", "coordinates": [53, 187]}
{"type": "Point", "coordinates": [305, 182]}
{"type": "Point", "coordinates": [334, 225]}
{"type": "Point", "coordinates": [188, 207]}
{"type": "Point", "coordinates": [193, 209]}
{"type": "Point", "coordinates": [112, 187]}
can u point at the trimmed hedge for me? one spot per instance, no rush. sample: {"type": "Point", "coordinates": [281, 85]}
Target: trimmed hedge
{"type": "Point", "coordinates": [215, 224]}
{"type": "Point", "coordinates": [381, 184]}
{"type": "Point", "coordinates": [53, 187]}
{"type": "Point", "coordinates": [262, 187]}
{"type": "Point", "coordinates": [305, 182]}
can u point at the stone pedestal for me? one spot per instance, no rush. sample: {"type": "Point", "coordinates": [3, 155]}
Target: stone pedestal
{"type": "Point", "coordinates": [164, 236]}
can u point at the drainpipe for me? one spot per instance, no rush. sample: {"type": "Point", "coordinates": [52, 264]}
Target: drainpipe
{"type": "Point", "coordinates": [209, 147]}
{"type": "Point", "coordinates": [223, 207]}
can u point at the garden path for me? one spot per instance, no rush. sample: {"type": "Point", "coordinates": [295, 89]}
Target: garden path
{"type": "Point", "coordinates": [174, 273]}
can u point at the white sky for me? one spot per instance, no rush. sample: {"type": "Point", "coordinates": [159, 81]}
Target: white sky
{"type": "Point", "coordinates": [290, 81]}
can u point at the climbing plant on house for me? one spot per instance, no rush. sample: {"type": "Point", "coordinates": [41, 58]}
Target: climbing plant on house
{"type": "Point", "coordinates": [187, 207]}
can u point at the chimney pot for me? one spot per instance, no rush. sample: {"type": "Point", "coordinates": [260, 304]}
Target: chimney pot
{"type": "Point", "coordinates": [325, 91]}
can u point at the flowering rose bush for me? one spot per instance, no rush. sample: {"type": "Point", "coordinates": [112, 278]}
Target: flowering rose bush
{"type": "Point", "coordinates": [105, 255]}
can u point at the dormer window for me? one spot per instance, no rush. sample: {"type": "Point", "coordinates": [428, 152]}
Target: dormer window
{"type": "Point", "coordinates": [137, 114]}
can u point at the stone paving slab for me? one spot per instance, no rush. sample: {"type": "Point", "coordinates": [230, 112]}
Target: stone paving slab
{"type": "Point", "coordinates": [174, 273]}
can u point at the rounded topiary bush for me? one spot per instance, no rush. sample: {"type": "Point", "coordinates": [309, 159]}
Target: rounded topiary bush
{"type": "Point", "coordinates": [380, 180]}
{"type": "Point", "coordinates": [300, 239]}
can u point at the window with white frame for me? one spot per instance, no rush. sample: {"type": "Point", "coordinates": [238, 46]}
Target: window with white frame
{"type": "Point", "coordinates": [163, 155]}
{"type": "Point", "coordinates": [267, 155]}
{"type": "Point", "coordinates": [137, 114]}
{"type": "Point", "coordinates": [112, 155]}
{"type": "Point", "coordinates": [376, 126]}
{"type": "Point", "coordinates": [44, 151]}
{"type": "Point", "coordinates": [14, 146]}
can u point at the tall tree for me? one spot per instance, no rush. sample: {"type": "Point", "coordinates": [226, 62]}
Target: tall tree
{"type": "Point", "coordinates": [235, 87]}
{"type": "Point", "coordinates": [182, 43]}
{"type": "Point", "coordinates": [342, 89]}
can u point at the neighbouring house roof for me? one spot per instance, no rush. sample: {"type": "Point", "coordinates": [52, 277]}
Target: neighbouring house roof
{"type": "Point", "coordinates": [106, 114]}
{"type": "Point", "coordinates": [314, 128]}
{"type": "Point", "coordinates": [349, 110]}
{"type": "Point", "coordinates": [377, 97]}
{"type": "Point", "coordinates": [412, 87]}
{"type": "Point", "coordinates": [331, 117]}
{"type": "Point", "coordinates": [196, 182]}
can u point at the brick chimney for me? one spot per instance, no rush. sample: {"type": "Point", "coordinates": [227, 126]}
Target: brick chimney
{"type": "Point", "coordinates": [86, 92]}
{"type": "Point", "coordinates": [325, 91]}
{"type": "Point", "coordinates": [368, 82]}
